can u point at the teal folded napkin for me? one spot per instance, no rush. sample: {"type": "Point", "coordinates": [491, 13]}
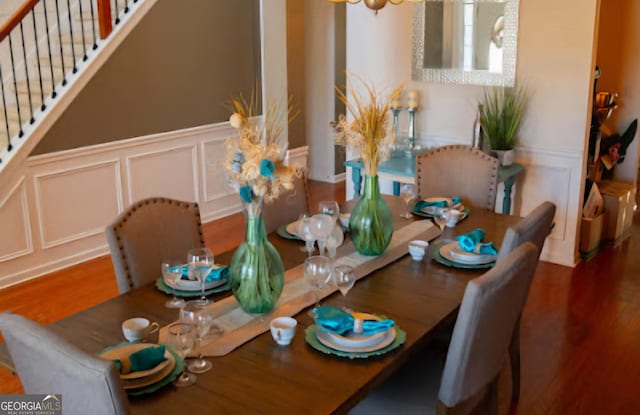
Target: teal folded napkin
{"type": "Point", "coordinates": [144, 359]}
{"type": "Point", "coordinates": [336, 320]}
{"type": "Point", "coordinates": [474, 242]}
{"type": "Point", "coordinates": [422, 204]}
{"type": "Point", "coordinates": [214, 275]}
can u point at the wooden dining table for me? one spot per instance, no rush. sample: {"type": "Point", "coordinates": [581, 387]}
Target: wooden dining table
{"type": "Point", "coordinates": [261, 377]}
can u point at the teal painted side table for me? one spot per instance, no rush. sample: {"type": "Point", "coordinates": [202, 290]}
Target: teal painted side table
{"type": "Point", "coordinates": [401, 168]}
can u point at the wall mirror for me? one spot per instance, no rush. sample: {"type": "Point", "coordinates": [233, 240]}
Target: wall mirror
{"type": "Point", "coordinates": [465, 41]}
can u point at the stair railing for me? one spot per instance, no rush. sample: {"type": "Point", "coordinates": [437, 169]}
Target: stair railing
{"type": "Point", "coordinates": [44, 23]}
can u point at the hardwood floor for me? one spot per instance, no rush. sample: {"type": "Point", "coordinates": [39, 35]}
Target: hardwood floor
{"type": "Point", "coordinates": [580, 328]}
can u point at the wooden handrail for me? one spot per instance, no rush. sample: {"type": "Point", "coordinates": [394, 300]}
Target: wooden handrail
{"type": "Point", "coordinates": [17, 17]}
{"type": "Point", "coordinates": [104, 18]}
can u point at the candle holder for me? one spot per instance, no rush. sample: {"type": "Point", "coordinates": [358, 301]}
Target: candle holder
{"type": "Point", "coordinates": [396, 115]}
{"type": "Point", "coordinates": [412, 128]}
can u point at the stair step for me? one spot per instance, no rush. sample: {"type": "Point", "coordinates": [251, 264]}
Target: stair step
{"type": "Point", "coordinates": [66, 38]}
{"type": "Point", "coordinates": [22, 86]}
{"type": "Point", "coordinates": [56, 63]}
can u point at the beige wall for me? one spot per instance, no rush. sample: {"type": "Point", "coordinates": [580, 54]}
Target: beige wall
{"type": "Point", "coordinates": [177, 69]}
{"type": "Point", "coordinates": [619, 61]}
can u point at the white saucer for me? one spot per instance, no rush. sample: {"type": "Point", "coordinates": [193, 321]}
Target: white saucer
{"type": "Point", "coordinates": [325, 339]}
{"type": "Point", "coordinates": [143, 377]}
{"type": "Point", "coordinates": [453, 252]}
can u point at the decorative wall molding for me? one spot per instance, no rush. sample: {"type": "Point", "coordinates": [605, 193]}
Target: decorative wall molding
{"type": "Point", "coordinates": [77, 183]}
{"type": "Point", "coordinates": [19, 191]}
{"type": "Point", "coordinates": [69, 229]}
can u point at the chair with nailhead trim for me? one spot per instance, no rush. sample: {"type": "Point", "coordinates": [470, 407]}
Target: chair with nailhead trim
{"type": "Point", "coordinates": [458, 171]}
{"type": "Point", "coordinates": [288, 206]}
{"type": "Point", "coordinates": [148, 232]}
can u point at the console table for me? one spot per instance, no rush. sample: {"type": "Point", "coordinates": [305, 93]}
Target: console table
{"type": "Point", "coordinates": [401, 168]}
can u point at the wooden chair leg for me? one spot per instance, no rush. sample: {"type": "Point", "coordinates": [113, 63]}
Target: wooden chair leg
{"type": "Point", "coordinates": [514, 357]}
{"type": "Point", "coordinates": [492, 397]}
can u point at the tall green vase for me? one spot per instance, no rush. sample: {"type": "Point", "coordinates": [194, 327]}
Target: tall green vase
{"type": "Point", "coordinates": [371, 222]}
{"type": "Point", "coordinates": [256, 271]}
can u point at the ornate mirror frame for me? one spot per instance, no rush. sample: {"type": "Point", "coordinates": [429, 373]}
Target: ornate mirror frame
{"type": "Point", "coordinates": [460, 76]}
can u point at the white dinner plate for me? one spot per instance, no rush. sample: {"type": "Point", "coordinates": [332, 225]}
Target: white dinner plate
{"type": "Point", "coordinates": [194, 285]}
{"type": "Point", "coordinates": [453, 252]}
{"type": "Point", "coordinates": [143, 377]}
{"type": "Point", "coordinates": [352, 339]}
{"type": "Point", "coordinates": [325, 339]}
{"type": "Point", "coordinates": [292, 228]}
{"type": "Point", "coordinates": [430, 210]}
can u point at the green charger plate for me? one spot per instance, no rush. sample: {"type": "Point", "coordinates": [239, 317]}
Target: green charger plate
{"type": "Point", "coordinates": [282, 232]}
{"type": "Point", "coordinates": [444, 261]}
{"type": "Point", "coordinates": [162, 286]}
{"type": "Point", "coordinates": [177, 370]}
{"type": "Point", "coordinates": [422, 214]}
{"type": "Point", "coordinates": [312, 339]}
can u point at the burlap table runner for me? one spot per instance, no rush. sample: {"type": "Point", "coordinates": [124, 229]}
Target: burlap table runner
{"type": "Point", "coordinates": [239, 327]}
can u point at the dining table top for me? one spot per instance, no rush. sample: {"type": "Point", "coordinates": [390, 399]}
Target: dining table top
{"type": "Point", "coordinates": [262, 377]}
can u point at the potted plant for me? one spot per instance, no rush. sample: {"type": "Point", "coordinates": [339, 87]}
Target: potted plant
{"type": "Point", "coordinates": [501, 110]}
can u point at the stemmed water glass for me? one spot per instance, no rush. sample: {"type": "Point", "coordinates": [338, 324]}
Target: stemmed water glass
{"type": "Point", "coordinates": [199, 315]}
{"type": "Point", "coordinates": [344, 278]}
{"type": "Point", "coordinates": [317, 272]}
{"type": "Point", "coordinates": [200, 261]}
{"type": "Point", "coordinates": [334, 241]}
{"type": "Point", "coordinates": [408, 193]}
{"type": "Point", "coordinates": [181, 338]}
{"type": "Point", "coordinates": [172, 273]}
{"type": "Point", "coordinates": [329, 207]}
{"type": "Point", "coordinates": [321, 227]}
{"type": "Point", "coordinates": [305, 232]}
{"type": "Point", "coordinates": [441, 216]}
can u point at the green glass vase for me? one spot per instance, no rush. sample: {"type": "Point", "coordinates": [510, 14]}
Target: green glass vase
{"type": "Point", "coordinates": [256, 272]}
{"type": "Point", "coordinates": [371, 222]}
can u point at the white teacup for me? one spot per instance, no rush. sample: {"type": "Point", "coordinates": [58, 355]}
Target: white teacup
{"type": "Point", "coordinates": [283, 329]}
{"type": "Point", "coordinates": [136, 329]}
{"type": "Point", "coordinates": [417, 249]}
{"type": "Point", "coordinates": [454, 217]}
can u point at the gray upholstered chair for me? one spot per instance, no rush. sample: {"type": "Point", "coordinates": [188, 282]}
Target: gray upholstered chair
{"type": "Point", "coordinates": [534, 228]}
{"type": "Point", "coordinates": [288, 207]}
{"type": "Point", "coordinates": [47, 364]}
{"type": "Point", "coordinates": [458, 170]}
{"type": "Point", "coordinates": [479, 344]}
{"type": "Point", "coordinates": [146, 233]}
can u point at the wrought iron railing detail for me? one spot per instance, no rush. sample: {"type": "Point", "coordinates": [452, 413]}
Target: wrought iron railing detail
{"type": "Point", "coordinates": [33, 68]}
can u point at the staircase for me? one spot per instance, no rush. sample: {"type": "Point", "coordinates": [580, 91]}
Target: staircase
{"type": "Point", "coordinates": [44, 48]}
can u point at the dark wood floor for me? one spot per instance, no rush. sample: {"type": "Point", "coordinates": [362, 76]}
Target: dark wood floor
{"type": "Point", "coordinates": [580, 328]}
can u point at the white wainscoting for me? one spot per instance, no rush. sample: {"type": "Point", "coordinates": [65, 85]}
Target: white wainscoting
{"type": "Point", "coordinates": [55, 214]}
{"type": "Point", "coordinates": [553, 175]}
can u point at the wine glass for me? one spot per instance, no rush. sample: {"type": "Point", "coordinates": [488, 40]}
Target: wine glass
{"type": "Point", "coordinates": [200, 262]}
{"type": "Point", "coordinates": [181, 338]}
{"type": "Point", "coordinates": [306, 233]}
{"type": "Point", "coordinates": [441, 216]}
{"type": "Point", "coordinates": [408, 193]}
{"type": "Point", "coordinates": [344, 278]}
{"type": "Point", "coordinates": [321, 227]}
{"type": "Point", "coordinates": [329, 207]}
{"type": "Point", "coordinates": [172, 273]}
{"type": "Point", "coordinates": [199, 315]}
{"type": "Point", "coordinates": [334, 241]}
{"type": "Point", "coordinates": [317, 272]}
